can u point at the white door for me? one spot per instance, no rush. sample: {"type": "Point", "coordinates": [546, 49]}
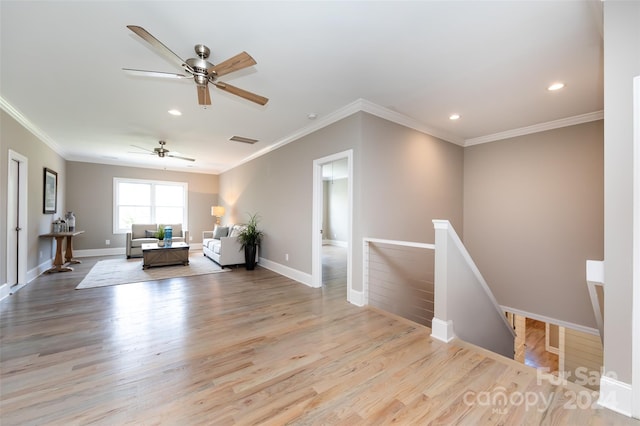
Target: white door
{"type": "Point", "coordinates": [16, 220]}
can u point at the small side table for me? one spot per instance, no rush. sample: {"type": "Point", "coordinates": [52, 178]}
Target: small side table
{"type": "Point", "coordinates": [58, 264]}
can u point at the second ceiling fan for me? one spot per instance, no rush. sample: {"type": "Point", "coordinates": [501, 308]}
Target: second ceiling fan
{"type": "Point", "coordinates": [202, 71]}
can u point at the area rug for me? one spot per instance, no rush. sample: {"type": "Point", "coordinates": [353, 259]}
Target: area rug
{"type": "Point", "coordinates": [126, 271]}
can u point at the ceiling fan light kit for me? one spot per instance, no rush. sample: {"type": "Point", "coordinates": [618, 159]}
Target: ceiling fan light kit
{"type": "Point", "coordinates": [202, 71]}
{"type": "Point", "coordinates": [163, 152]}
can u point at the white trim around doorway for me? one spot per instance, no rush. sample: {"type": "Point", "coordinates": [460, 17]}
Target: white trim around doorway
{"type": "Point", "coordinates": [635, 312]}
{"type": "Point", "coordinates": [316, 227]}
{"type": "Point", "coordinates": [21, 255]}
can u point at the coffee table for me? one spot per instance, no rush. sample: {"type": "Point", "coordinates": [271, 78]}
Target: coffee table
{"type": "Point", "coordinates": [174, 254]}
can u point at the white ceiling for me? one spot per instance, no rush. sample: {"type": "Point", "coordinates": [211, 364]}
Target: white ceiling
{"type": "Point", "coordinates": [488, 61]}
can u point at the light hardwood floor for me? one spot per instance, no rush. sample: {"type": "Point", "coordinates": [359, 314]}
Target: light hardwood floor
{"type": "Point", "coordinates": [536, 355]}
{"type": "Point", "coordinates": [249, 347]}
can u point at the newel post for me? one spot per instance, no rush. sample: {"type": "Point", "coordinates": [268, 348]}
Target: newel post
{"type": "Point", "coordinates": [441, 326]}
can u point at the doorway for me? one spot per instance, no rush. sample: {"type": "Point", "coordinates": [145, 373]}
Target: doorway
{"type": "Point", "coordinates": [332, 225]}
{"type": "Point", "coordinates": [16, 223]}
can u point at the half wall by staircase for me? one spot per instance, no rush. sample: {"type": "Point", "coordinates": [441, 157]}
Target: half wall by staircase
{"type": "Point", "coordinates": [464, 304]}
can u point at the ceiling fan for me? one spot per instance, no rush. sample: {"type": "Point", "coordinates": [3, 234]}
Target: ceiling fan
{"type": "Point", "coordinates": [162, 152]}
{"type": "Point", "coordinates": [202, 71]}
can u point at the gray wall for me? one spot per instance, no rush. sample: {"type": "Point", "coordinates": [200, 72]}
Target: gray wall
{"type": "Point", "coordinates": [418, 175]}
{"type": "Point", "coordinates": [415, 176]}
{"type": "Point", "coordinates": [14, 136]}
{"type": "Point", "coordinates": [278, 186]}
{"type": "Point", "coordinates": [533, 214]}
{"type": "Point", "coordinates": [335, 225]}
{"type": "Point", "coordinates": [87, 190]}
{"type": "Point", "coordinates": [90, 197]}
{"type": "Point", "coordinates": [621, 65]}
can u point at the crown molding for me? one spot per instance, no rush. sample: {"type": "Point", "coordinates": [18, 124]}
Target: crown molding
{"type": "Point", "coordinates": [325, 121]}
{"type": "Point", "coordinates": [359, 105]}
{"type": "Point", "coordinates": [35, 130]}
{"type": "Point", "coordinates": [536, 128]}
{"type": "Point", "coordinates": [403, 120]}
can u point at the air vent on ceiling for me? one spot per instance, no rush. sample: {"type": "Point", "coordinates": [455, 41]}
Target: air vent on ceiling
{"type": "Point", "coordinates": [243, 139]}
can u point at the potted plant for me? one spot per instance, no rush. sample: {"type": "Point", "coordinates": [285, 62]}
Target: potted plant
{"type": "Point", "coordinates": [160, 235]}
{"type": "Point", "coordinates": [250, 237]}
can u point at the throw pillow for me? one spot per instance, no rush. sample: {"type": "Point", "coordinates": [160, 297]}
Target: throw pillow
{"type": "Point", "coordinates": [150, 233]}
{"type": "Point", "coordinates": [220, 231]}
{"type": "Point", "coordinates": [236, 230]}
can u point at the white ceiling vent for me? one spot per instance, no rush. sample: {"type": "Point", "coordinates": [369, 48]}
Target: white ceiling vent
{"type": "Point", "coordinates": [243, 139]}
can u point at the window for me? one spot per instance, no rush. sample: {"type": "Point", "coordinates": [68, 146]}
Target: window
{"type": "Point", "coordinates": [147, 201]}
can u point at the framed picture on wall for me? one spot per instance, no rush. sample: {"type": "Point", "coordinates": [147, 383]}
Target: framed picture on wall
{"type": "Point", "coordinates": [50, 194]}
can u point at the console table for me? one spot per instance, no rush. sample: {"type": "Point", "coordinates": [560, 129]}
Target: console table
{"type": "Point", "coordinates": [58, 264]}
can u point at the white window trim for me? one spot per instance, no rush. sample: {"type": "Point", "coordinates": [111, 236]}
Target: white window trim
{"type": "Point", "coordinates": [117, 180]}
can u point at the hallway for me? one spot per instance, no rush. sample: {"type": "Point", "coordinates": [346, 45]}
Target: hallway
{"type": "Point", "coordinates": [535, 354]}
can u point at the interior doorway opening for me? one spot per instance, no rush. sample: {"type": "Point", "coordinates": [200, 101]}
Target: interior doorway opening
{"type": "Point", "coordinates": [333, 221]}
{"type": "Point", "coordinates": [335, 181]}
{"type": "Point", "coordinates": [569, 354]}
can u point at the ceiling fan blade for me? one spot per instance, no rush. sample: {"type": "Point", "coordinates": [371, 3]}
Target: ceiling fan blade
{"type": "Point", "coordinates": [144, 73]}
{"type": "Point", "coordinates": [157, 44]}
{"type": "Point", "coordinates": [180, 158]}
{"type": "Point", "coordinates": [204, 98]}
{"type": "Point", "coordinates": [140, 153]}
{"type": "Point", "coordinates": [144, 149]}
{"type": "Point", "coordinates": [261, 100]}
{"type": "Point", "coordinates": [238, 62]}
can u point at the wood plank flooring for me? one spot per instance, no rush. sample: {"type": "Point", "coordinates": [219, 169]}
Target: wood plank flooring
{"type": "Point", "coordinates": [536, 354]}
{"type": "Point", "coordinates": [250, 347]}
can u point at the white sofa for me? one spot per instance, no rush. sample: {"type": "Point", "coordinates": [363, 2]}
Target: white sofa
{"type": "Point", "coordinates": [226, 249]}
{"type": "Point", "coordinates": [144, 233]}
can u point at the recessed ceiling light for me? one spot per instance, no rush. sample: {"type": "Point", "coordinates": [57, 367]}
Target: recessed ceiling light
{"type": "Point", "coordinates": [174, 112]}
{"type": "Point", "coordinates": [555, 86]}
{"type": "Point", "coordinates": [454, 117]}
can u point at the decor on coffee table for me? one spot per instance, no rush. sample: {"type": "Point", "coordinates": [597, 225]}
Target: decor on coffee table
{"type": "Point", "coordinates": [160, 236]}
{"type": "Point", "coordinates": [250, 237]}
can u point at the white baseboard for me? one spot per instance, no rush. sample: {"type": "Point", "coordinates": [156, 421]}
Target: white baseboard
{"type": "Point", "coordinates": [356, 297]}
{"type": "Point", "coordinates": [615, 395]}
{"type": "Point", "coordinates": [34, 273]}
{"type": "Point", "coordinates": [442, 330]}
{"type": "Point", "coordinates": [5, 291]}
{"type": "Point", "coordinates": [288, 272]}
{"type": "Point", "coordinates": [100, 252]}
{"type": "Point", "coordinates": [17, 287]}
